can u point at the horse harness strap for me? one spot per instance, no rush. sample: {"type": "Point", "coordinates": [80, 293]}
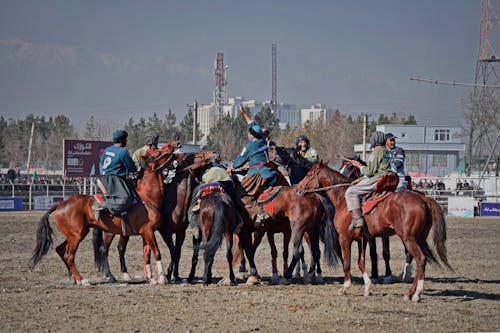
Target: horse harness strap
{"type": "Point", "coordinates": [271, 197]}
{"type": "Point", "coordinates": [321, 189]}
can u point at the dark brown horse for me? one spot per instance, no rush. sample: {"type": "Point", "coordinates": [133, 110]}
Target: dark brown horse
{"type": "Point", "coordinates": [177, 195]}
{"type": "Point", "coordinates": [75, 215]}
{"type": "Point", "coordinates": [218, 217]}
{"type": "Point", "coordinates": [406, 214]}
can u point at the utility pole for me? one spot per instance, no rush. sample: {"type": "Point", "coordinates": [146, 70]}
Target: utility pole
{"type": "Point", "coordinates": [195, 121]}
{"type": "Point", "coordinates": [365, 130]}
{"type": "Point", "coordinates": [30, 146]}
{"type": "Point", "coordinates": [274, 93]}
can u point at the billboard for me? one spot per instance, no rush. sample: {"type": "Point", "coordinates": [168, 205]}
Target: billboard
{"type": "Point", "coordinates": [490, 209]}
{"type": "Point", "coordinates": [461, 206]}
{"type": "Point", "coordinates": [11, 204]}
{"type": "Point", "coordinates": [81, 157]}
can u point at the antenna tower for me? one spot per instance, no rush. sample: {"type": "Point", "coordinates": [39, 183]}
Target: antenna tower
{"type": "Point", "coordinates": [220, 71]}
{"type": "Point", "coordinates": [274, 100]}
{"type": "Point", "coordinates": [487, 66]}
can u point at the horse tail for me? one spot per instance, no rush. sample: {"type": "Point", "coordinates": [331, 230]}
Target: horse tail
{"type": "Point", "coordinates": [43, 238]}
{"type": "Point", "coordinates": [216, 214]}
{"type": "Point", "coordinates": [99, 250]}
{"type": "Point", "coordinates": [330, 236]}
{"type": "Point", "coordinates": [439, 224]}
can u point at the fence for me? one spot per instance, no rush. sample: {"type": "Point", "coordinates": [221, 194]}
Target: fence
{"type": "Point", "coordinates": [28, 192]}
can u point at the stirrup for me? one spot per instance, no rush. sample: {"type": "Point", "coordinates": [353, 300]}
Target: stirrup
{"type": "Point", "coordinates": [196, 207]}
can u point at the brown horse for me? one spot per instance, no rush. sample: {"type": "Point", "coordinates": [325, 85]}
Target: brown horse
{"type": "Point", "coordinates": [297, 214]}
{"type": "Point", "coordinates": [174, 207]}
{"type": "Point", "coordinates": [406, 213]}
{"type": "Point", "coordinates": [75, 215]}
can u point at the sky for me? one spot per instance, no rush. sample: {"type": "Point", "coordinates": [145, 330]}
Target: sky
{"type": "Point", "coordinates": [117, 59]}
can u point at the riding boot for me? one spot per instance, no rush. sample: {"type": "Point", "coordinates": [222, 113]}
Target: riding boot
{"type": "Point", "coordinates": [357, 220]}
{"type": "Point", "coordinates": [256, 212]}
{"type": "Point", "coordinates": [125, 224]}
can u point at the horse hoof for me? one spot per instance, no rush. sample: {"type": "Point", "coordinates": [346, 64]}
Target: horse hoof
{"type": "Point", "coordinates": [296, 276]}
{"type": "Point", "coordinates": [241, 276]}
{"type": "Point", "coordinates": [415, 298]}
{"type": "Point", "coordinates": [387, 280]}
{"type": "Point", "coordinates": [126, 277]}
{"type": "Point", "coordinates": [307, 279]}
{"type": "Point", "coordinates": [152, 282]}
{"type": "Point", "coordinates": [84, 283]}
{"type": "Point", "coordinates": [319, 280]}
{"type": "Point", "coordinates": [225, 282]}
{"type": "Point", "coordinates": [275, 279]}
{"type": "Point", "coordinates": [162, 279]}
{"type": "Point", "coordinates": [111, 279]}
{"type": "Point", "coordinates": [284, 281]}
{"type": "Point", "coordinates": [406, 298]}
{"type": "Point", "coordinates": [367, 292]}
{"type": "Point", "coordinates": [251, 281]}
{"type": "Point", "coordinates": [342, 291]}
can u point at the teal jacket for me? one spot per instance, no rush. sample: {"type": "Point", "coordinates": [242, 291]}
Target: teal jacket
{"type": "Point", "coordinates": [257, 156]}
{"type": "Point", "coordinates": [117, 161]}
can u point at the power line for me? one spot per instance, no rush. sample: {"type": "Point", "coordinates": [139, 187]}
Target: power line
{"type": "Point", "coordinates": [453, 83]}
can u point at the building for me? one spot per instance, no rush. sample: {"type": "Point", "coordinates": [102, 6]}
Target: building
{"type": "Point", "coordinates": [314, 113]}
{"type": "Point", "coordinates": [430, 150]}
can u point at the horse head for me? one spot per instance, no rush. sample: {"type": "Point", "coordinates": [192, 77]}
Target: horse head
{"type": "Point", "coordinates": [321, 175]}
{"type": "Point", "coordinates": [158, 159]}
{"type": "Point", "coordinates": [196, 161]}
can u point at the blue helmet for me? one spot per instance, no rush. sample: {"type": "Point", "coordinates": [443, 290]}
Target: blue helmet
{"type": "Point", "coordinates": [119, 135]}
{"type": "Point", "coordinates": [256, 131]}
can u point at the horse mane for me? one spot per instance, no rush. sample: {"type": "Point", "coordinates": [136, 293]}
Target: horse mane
{"type": "Point", "coordinates": [335, 176]}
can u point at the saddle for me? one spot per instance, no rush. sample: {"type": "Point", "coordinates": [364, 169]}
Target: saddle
{"type": "Point", "coordinates": [266, 199]}
{"type": "Point", "coordinates": [387, 184]}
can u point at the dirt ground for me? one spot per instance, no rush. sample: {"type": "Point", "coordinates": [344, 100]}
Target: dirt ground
{"type": "Point", "coordinates": [44, 300]}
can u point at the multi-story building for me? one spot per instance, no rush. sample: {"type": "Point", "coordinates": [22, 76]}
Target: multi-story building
{"type": "Point", "coordinates": [430, 150]}
{"type": "Point", "coordinates": [314, 113]}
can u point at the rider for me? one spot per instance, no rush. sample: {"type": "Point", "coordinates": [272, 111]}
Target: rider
{"type": "Point", "coordinates": [150, 143]}
{"type": "Point", "coordinates": [260, 173]}
{"type": "Point", "coordinates": [377, 166]}
{"type": "Point", "coordinates": [396, 157]}
{"type": "Point", "coordinates": [120, 194]}
{"type": "Point", "coordinates": [302, 159]}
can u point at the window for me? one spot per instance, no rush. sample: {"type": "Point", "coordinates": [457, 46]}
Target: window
{"type": "Point", "coordinates": [442, 135]}
{"type": "Point", "coordinates": [412, 160]}
{"type": "Point", "coordinates": [440, 160]}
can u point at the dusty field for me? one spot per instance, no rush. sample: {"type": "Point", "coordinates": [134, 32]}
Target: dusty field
{"type": "Point", "coordinates": [44, 300]}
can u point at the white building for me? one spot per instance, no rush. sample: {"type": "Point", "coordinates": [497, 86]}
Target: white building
{"type": "Point", "coordinates": [430, 150]}
{"type": "Point", "coordinates": [314, 113]}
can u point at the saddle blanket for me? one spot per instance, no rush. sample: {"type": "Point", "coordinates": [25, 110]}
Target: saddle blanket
{"type": "Point", "coordinates": [209, 188]}
{"type": "Point", "coordinates": [372, 202]}
{"type": "Point", "coordinates": [267, 198]}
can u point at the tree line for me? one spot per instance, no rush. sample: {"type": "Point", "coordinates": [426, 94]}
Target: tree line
{"type": "Point", "coordinates": [337, 135]}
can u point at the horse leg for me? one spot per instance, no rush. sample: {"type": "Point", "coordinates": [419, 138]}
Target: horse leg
{"type": "Point", "coordinates": [274, 255]}
{"type": "Point", "coordinates": [122, 247]}
{"type": "Point", "coordinates": [373, 257]}
{"type": "Point", "coordinates": [246, 242]}
{"type": "Point", "coordinates": [61, 249]}
{"type": "Point", "coordinates": [286, 242]}
{"type": "Point", "coordinates": [149, 245]}
{"type": "Point", "coordinates": [407, 271]}
{"type": "Point", "coordinates": [361, 264]}
{"type": "Point", "coordinates": [167, 238]}
{"type": "Point", "coordinates": [345, 245]}
{"type": "Point", "coordinates": [229, 256]}
{"type": "Point", "coordinates": [297, 239]}
{"type": "Point", "coordinates": [386, 254]}
{"type": "Point", "coordinates": [71, 246]}
{"type": "Point", "coordinates": [207, 273]}
{"type": "Point", "coordinates": [315, 253]}
{"type": "Point", "coordinates": [194, 259]}
{"type": "Point", "coordinates": [417, 286]}
{"type": "Point", "coordinates": [179, 240]}
{"type": "Point", "coordinates": [104, 249]}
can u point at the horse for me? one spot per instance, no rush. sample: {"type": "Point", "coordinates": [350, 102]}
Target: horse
{"type": "Point", "coordinates": [218, 217]}
{"type": "Point", "coordinates": [411, 221]}
{"type": "Point", "coordinates": [351, 172]}
{"type": "Point", "coordinates": [75, 216]}
{"type": "Point", "coordinates": [301, 213]}
{"type": "Point", "coordinates": [173, 216]}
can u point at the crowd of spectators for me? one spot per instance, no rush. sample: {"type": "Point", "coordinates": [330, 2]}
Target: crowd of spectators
{"type": "Point", "coordinates": [424, 185]}
{"type": "Point", "coordinates": [23, 181]}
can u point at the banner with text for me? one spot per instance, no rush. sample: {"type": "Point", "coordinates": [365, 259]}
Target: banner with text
{"type": "Point", "coordinates": [81, 157]}
{"type": "Point", "coordinates": [490, 209]}
{"type": "Point", "coordinates": [11, 204]}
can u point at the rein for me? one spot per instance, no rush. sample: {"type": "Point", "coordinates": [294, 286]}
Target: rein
{"type": "Point", "coordinates": [322, 188]}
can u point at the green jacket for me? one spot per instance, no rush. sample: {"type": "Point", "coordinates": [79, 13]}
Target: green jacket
{"type": "Point", "coordinates": [377, 165]}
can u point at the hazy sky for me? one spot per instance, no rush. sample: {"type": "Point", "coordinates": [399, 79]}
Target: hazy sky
{"type": "Point", "coordinates": [122, 59]}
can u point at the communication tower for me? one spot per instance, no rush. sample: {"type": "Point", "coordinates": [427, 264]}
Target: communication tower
{"type": "Point", "coordinates": [220, 94]}
{"type": "Point", "coordinates": [487, 65]}
{"type": "Point", "coordinates": [274, 97]}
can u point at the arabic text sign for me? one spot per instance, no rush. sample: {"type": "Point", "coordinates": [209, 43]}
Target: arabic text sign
{"type": "Point", "coordinates": [81, 157]}
{"type": "Point", "coordinates": [490, 209]}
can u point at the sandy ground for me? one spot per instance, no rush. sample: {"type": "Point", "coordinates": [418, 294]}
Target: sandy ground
{"type": "Point", "coordinates": [44, 300]}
